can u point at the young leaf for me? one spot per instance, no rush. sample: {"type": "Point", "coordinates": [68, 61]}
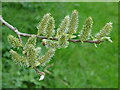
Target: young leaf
{"type": "Point", "coordinates": [104, 32]}
{"type": "Point", "coordinates": [107, 38]}
{"type": "Point", "coordinates": [86, 30]}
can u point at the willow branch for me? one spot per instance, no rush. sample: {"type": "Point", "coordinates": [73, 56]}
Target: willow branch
{"type": "Point", "coordinates": [41, 37]}
{"type": "Point", "coordinates": [11, 27]}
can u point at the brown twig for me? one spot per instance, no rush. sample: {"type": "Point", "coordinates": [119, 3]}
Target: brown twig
{"type": "Point", "coordinates": [11, 27]}
{"type": "Point", "coordinates": [46, 68]}
{"type": "Point", "coordinates": [41, 37]}
{"type": "Point", "coordinates": [39, 72]}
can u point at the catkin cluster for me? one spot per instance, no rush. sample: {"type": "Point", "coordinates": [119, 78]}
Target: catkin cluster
{"type": "Point", "coordinates": [67, 29]}
{"type": "Point", "coordinates": [30, 55]}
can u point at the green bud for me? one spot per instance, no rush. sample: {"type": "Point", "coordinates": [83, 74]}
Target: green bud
{"type": "Point", "coordinates": [50, 43]}
{"type": "Point", "coordinates": [14, 41]}
{"type": "Point", "coordinates": [63, 28]}
{"type": "Point", "coordinates": [73, 22]}
{"type": "Point", "coordinates": [104, 32]}
{"type": "Point", "coordinates": [86, 30]}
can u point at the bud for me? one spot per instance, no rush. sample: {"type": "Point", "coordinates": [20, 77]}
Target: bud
{"type": "Point", "coordinates": [41, 77]}
{"type": "Point", "coordinates": [14, 41]}
{"type": "Point", "coordinates": [104, 32]}
{"type": "Point", "coordinates": [86, 30]}
{"type": "Point", "coordinates": [43, 24]}
{"type": "Point", "coordinates": [63, 28]}
{"type": "Point", "coordinates": [50, 43]}
{"type": "Point", "coordinates": [73, 22]}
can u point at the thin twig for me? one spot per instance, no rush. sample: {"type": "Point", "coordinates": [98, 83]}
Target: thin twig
{"type": "Point", "coordinates": [41, 37]}
{"type": "Point", "coordinates": [46, 68]}
{"type": "Point", "coordinates": [39, 72]}
{"type": "Point", "coordinates": [11, 27]}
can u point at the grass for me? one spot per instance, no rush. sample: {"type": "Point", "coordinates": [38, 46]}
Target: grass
{"type": "Point", "coordinates": [79, 65]}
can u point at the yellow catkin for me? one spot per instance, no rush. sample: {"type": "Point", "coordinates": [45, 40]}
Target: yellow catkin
{"type": "Point", "coordinates": [63, 28]}
{"type": "Point", "coordinates": [43, 24]}
{"type": "Point", "coordinates": [14, 41]}
{"type": "Point", "coordinates": [86, 30]}
{"type": "Point", "coordinates": [73, 22]}
{"type": "Point", "coordinates": [104, 32]}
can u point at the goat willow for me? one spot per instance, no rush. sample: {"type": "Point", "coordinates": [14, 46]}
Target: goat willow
{"type": "Point", "coordinates": [30, 55]}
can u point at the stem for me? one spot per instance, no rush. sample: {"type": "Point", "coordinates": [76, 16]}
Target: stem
{"type": "Point", "coordinates": [19, 34]}
{"type": "Point", "coordinates": [39, 72]}
{"type": "Point", "coordinates": [11, 27]}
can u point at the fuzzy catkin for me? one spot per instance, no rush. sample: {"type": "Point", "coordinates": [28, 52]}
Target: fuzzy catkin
{"type": "Point", "coordinates": [48, 55]}
{"type": "Point", "coordinates": [18, 58]}
{"type": "Point", "coordinates": [86, 30]}
{"type": "Point", "coordinates": [31, 54]}
{"type": "Point", "coordinates": [14, 41]}
{"type": "Point", "coordinates": [32, 40]}
{"type": "Point", "coordinates": [104, 32]}
{"type": "Point", "coordinates": [73, 22]}
{"type": "Point", "coordinates": [63, 28]}
{"type": "Point", "coordinates": [63, 43]}
{"type": "Point", "coordinates": [43, 24]}
{"type": "Point", "coordinates": [50, 28]}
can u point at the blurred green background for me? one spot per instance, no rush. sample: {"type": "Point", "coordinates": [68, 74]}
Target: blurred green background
{"type": "Point", "coordinates": [79, 65]}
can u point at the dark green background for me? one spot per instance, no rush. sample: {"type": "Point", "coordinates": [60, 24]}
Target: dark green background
{"type": "Point", "coordinates": [79, 65]}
